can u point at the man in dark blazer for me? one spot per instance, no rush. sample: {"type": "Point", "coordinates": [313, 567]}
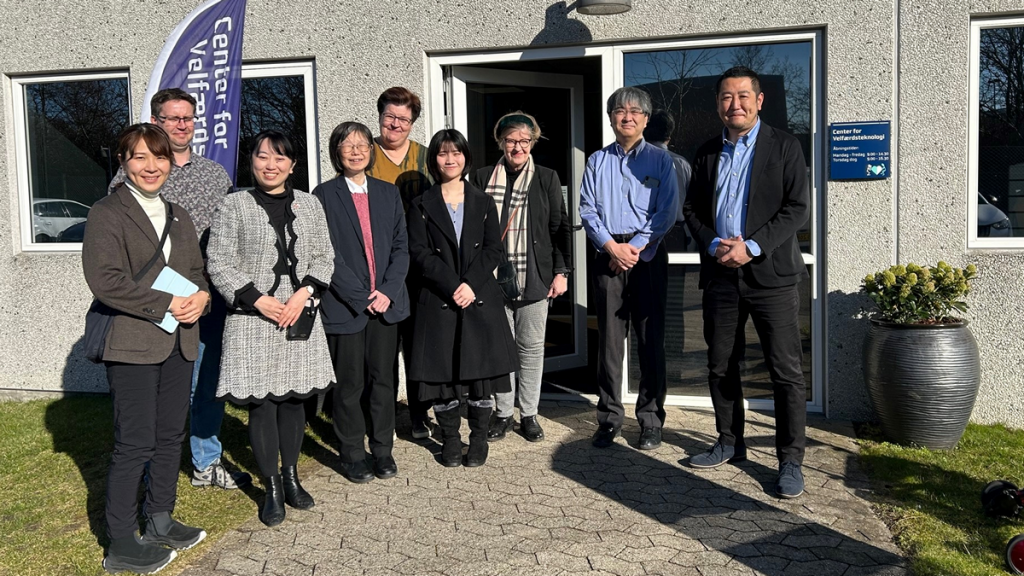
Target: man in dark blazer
{"type": "Point", "coordinates": [747, 199]}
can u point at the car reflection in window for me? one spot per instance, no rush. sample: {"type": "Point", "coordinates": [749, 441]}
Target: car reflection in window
{"type": "Point", "coordinates": [52, 216]}
{"type": "Point", "coordinates": [992, 222]}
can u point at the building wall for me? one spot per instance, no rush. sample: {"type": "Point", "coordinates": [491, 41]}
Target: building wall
{"type": "Point", "coordinates": [933, 188]}
{"type": "Point", "coordinates": [363, 48]}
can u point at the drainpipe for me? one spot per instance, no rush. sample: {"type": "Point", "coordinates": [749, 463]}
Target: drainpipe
{"type": "Point", "coordinates": [895, 136]}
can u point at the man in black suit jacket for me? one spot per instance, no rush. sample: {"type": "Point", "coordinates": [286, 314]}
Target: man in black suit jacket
{"type": "Point", "coordinates": [747, 199]}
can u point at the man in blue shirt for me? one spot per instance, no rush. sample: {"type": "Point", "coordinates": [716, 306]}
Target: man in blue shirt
{"type": "Point", "coordinates": [747, 199]}
{"type": "Point", "coordinates": [629, 200]}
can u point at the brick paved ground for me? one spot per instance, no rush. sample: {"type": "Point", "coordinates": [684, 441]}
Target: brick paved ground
{"type": "Point", "coordinates": [562, 507]}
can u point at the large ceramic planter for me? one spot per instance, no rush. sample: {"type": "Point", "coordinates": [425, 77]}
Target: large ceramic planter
{"type": "Point", "coordinates": [922, 380]}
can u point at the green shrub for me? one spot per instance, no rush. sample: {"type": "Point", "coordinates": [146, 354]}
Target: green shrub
{"type": "Point", "coordinates": [915, 294]}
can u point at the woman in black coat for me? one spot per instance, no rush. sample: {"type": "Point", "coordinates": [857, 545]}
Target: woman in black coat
{"type": "Point", "coordinates": [538, 241]}
{"type": "Point", "coordinates": [462, 345]}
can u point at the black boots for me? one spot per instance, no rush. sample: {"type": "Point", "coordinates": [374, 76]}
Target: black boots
{"type": "Point", "coordinates": [294, 494]}
{"type": "Point", "coordinates": [478, 425]}
{"type": "Point", "coordinates": [133, 554]}
{"type": "Point", "coordinates": [272, 511]}
{"type": "Point", "coordinates": [451, 451]}
{"type": "Point", "coordinates": [162, 529]}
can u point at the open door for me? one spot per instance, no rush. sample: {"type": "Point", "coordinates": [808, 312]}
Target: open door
{"type": "Point", "coordinates": [479, 96]}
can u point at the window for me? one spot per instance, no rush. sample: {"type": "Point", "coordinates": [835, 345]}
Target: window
{"type": "Point", "coordinates": [280, 96]}
{"type": "Point", "coordinates": [682, 81]}
{"type": "Point", "coordinates": [66, 129]}
{"type": "Point", "coordinates": [995, 195]}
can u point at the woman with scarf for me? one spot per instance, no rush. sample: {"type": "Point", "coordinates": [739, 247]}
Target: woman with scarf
{"type": "Point", "coordinates": [537, 240]}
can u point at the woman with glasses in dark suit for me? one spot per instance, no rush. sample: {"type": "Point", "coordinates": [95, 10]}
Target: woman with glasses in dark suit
{"type": "Point", "coordinates": [367, 300]}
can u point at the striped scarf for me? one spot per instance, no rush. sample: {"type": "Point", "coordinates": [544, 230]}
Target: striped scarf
{"type": "Point", "coordinates": [515, 235]}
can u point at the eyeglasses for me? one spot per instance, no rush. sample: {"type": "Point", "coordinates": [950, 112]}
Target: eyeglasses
{"type": "Point", "coordinates": [631, 111]}
{"type": "Point", "coordinates": [176, 119]}
{"type": "Point", "coordinates": [350, 148]}
{"type": "Point", "coordinates": [392, 119]}
{"type": "Point", "coordinates": [524, 144]}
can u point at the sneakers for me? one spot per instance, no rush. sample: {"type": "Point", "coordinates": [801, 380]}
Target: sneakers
{"type": "Point", "coordinates": [133, 554]}
{"type": "Point", "coordinates": [719, 454]}
{"type": "Point", "coordinates": [217, 475]}
{"type": "Point", "coordinates": [790, 483]}
{"type": "Point", "coordinates": [162, 529]}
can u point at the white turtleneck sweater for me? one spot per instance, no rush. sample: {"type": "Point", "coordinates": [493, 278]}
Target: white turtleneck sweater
{"type": "Point", "coordinates": [153, 205]}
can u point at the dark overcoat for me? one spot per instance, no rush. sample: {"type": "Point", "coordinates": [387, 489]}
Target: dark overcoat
{"type": "Point", "coordinates": [450, 343]}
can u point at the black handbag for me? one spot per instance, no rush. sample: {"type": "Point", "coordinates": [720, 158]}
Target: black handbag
{"type": "Point", "coordinates": [100, 317]}
{"type": "Point", "coordinates": [507, 275]}
{"type": "Point", "coordinates": [303, 326]}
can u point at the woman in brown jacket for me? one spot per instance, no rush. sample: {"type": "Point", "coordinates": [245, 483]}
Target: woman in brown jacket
{"type": "Point", "coordinates": [149, 349]}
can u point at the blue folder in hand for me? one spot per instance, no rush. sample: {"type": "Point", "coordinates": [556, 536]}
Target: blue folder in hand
{"type": "Point", "coordinates": [177, 285]}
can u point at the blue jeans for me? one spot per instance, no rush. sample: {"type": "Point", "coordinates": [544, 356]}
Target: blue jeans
{"type": "Point", "coordinates": [207, 412]}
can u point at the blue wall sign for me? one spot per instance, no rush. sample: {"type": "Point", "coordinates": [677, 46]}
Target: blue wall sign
{"type": "Point", "coordinates": [858, 150]}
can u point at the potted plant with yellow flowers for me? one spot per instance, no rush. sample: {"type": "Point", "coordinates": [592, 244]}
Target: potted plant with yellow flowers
{"type": "Point", "coordinates": [921, 363]}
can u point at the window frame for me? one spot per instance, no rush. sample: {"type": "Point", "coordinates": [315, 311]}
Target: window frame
{"type": "Point", "coordinates": [975, 242]}
{"type": "Point", "coordinates": [307, 70]}
{"type": "Point", "coordinates": [17, 83]}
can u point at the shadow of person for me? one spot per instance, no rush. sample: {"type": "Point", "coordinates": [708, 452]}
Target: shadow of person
{"type": "Point", "coordinates": [81, 425]}
{"type": "Point", "coordinates": [560, 29]}
{"type": "Point", "coordinates": [731, 527]}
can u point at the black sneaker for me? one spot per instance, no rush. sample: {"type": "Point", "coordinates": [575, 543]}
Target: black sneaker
{"type": "Point", "coordinates": [133, 554]}
{"type": "Point", "coordinates": [162, 529]}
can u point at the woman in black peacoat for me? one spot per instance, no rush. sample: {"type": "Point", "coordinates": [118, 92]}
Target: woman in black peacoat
{"type": "Point", "coordinates": [462, 344]}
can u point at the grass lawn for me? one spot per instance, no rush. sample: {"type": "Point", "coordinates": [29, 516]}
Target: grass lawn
{"type": "Point", "coordinates": [54, 456]}
{"type": "Point", "coordinates": [932, 500]}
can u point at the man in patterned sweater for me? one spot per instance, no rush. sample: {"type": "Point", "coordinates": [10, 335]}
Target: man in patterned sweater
{"type": "Point", "coordinates": [199, 185]}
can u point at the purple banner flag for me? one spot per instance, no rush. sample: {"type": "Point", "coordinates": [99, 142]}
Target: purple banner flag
{"type": "Point", "coordinates": [203, 56]}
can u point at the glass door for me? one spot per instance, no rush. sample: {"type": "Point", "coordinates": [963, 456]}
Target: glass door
{"type": "Point", "coordinates": [682, 79]}
{"type": "Point", "coordinates": [479, 97]}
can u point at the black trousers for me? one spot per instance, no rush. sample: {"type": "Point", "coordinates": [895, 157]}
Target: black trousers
{"type": "Point", "coordinates": [417, 408]}
{"type": "Point", "coordinates": [150, 406]}
{"type": "Point", "coordinates": [728, 302]}
{"type": "Point", "coordinates": [364, 402]}
{"type": "Point", "coordinates": [636, 296]}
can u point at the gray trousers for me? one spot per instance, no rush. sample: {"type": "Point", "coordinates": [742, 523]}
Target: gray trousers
{"type": "Point", "coordinates": [528, 321]}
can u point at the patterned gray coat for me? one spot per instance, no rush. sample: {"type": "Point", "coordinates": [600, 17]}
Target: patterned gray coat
{"type": "Point", "coordinates": [258, 361]}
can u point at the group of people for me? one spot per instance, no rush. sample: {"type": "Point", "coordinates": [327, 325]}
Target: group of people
{"type": "Point", "coordinates": [311, 295]}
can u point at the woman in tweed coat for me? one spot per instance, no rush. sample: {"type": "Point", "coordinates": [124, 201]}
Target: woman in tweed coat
{"type": "Point", "coordinates": [270, 256]}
